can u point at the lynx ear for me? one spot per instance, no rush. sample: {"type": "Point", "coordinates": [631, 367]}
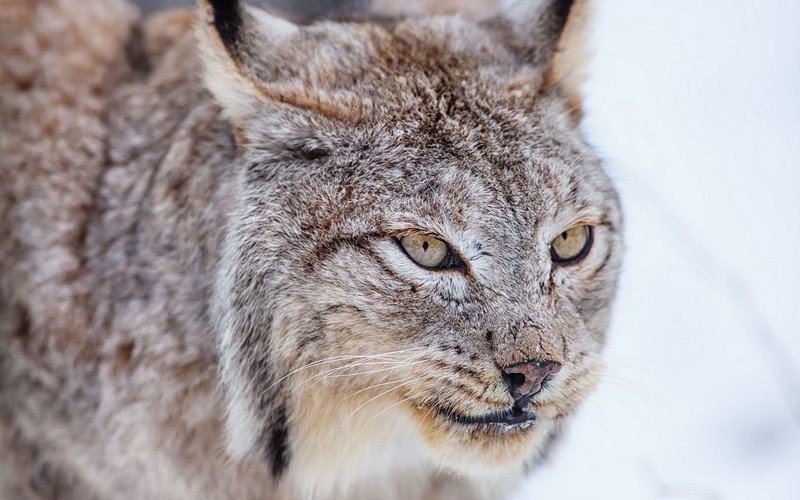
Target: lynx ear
{"type": "Point", "coordinates": [261, 66]}
{"type": "Point", "coordinates": [225, 31]}
{"type": "Point", "coordinates": [550, 34]}
{"type": "Point", "coordinates": [572, 55]}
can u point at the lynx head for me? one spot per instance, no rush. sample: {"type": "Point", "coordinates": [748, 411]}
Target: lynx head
{"type": "Point", "coordinates": [424, 250]}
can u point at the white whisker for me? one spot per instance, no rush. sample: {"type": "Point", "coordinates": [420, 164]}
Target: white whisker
{"type": "Point", "coordinates": [372, 387]}
{"type": "Point", "coordinates": [423, 419]}
{"type": "Point", "coordinates": [334, 359]}
{"type": "Point", "coordinates": [403, 365]}
{"type": "Point", "coordinates": [376, 397]}
{"type": "Point", "coordinates": [332, 372]}
{"type": "Point", "coordinates": [387, 409]}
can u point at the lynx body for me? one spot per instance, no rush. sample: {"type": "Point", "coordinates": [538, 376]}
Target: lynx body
{"type": "Point", "coordinates": [208, 278]}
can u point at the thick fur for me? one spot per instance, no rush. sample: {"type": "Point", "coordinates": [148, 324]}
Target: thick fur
{"type": "Point", "coordinates": [201, 290]}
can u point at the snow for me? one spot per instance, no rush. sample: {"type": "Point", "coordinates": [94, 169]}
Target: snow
{"type": "Point", "coordinates": [696, 107]}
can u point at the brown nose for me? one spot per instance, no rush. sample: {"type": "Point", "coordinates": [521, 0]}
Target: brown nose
{"type": "Point", "coordinates": [525, 379]}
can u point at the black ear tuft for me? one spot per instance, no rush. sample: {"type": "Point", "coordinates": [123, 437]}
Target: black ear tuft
{"type": "Point", "coordinates": [227, 21]}
{"type": "Point", "coordinates": [532, 28]}
{"type": "Point", "coordinates": [552, 19]}
{"type": "Point", "coordinates": [560, 14]}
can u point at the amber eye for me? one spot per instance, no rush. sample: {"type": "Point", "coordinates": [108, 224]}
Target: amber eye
{"type": "Point", "coordinates": [572, 245]}
{"type": "Point", "coordinates": [425, 250]}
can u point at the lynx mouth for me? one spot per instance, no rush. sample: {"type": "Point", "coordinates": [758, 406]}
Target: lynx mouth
{"type": "Point", "coordinates": [514, 418]}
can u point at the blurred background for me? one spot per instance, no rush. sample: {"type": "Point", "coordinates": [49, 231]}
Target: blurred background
{"type": "Point", "coordinates": [696, 108]}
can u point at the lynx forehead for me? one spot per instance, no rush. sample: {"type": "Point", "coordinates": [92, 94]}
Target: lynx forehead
{"type": "Point", "coordinates": [351, 259]}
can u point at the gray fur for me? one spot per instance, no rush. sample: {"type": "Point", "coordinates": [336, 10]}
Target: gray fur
{"type": "Point", "coordinates": [201, 292]}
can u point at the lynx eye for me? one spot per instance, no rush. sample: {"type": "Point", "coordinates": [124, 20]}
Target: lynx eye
{"type": "Point", "coordinates": [425, 250]}
{"type": "Point", "coordinates": [572, 245]}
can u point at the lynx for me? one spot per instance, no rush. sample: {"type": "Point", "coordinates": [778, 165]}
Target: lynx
{"type": "Point", "coordinates": [251, 259]}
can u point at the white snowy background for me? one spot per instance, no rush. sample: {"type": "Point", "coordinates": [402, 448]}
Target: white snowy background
{"type": "Point", "coordinates": [696, 107]}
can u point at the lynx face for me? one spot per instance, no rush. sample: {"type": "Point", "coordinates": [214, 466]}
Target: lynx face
{"type": "Point", "coordinates": [424, 250]}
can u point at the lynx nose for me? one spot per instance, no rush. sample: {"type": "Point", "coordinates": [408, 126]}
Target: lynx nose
{"type": "Point", "coordinates": [525, 379]}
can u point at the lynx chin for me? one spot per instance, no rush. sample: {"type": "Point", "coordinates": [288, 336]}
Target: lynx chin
{"type": "Point", "coordinates": [243, 258]}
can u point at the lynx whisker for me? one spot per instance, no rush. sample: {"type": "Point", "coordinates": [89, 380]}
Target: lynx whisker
{"type": "Point", "coordinates": [334, 359]}
{"type": "Point", "coordinates": [369, 388]}
{"type": "Point", "coordinates": [399, 385]}
{"type": "Point", "coordinates": [423, 418]}
{"type": "Point", "coordinates": [400, 365]}
{"type": "Point", "coordinates": [332, 373]}
{"type": "Point", "coordinates": [319, 377]}
{"type": "Point", "coordinates": [387, 409]}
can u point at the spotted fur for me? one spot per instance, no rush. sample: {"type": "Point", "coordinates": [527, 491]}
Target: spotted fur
{"type": "Point", "coordinates": [202, 290]}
